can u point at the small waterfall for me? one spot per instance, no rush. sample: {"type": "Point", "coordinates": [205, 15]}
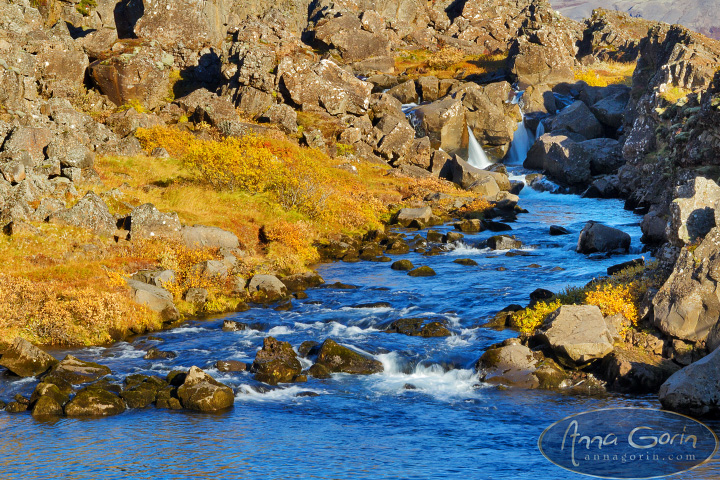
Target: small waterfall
{"type": "Point", "coordinates": [522, 141]}
{"type": "Point", "coordinates": [476, 155]}
{"type": "Point", "coordinates": [540, 131]}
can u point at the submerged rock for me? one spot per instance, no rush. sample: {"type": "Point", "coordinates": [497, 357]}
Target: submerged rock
{"type": "Point", "coordinates": [334, 358]}
{"type": "Point", "coordinates": [203, 393]}
{"type": "Point", "coordinates": [25, 359]}
{"type": "Point", "coordinates": [424, 271]}
{"type": "Point", "coordinates": [402, 265]}
{"type": "Point", "coordinates": [418, 327]}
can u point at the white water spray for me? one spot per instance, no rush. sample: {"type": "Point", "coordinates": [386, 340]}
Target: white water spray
{"type": "Point", "coordinates": [476, 155]}
{"type": "Point", "coordinates": [520, 146]}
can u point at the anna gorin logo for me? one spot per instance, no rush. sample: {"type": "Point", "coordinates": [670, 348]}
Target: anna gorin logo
{"type": "Point", "coordinates": [628, 443]}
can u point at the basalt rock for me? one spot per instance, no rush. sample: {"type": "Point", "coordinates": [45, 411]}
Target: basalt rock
{"type": "Point", "coordinates": [336, 358]}
{"type": "Point", "coordinates": [694, 390]}
{"type": "Point", "coordinates": [94, 401]}
{"type": "Point", "coordinates": [139, 73]}
{"type": "Point", "coordinates": [90, 212]}
{"type": "Point", "coordinates": [268, 287]}
{"type": "Point", "coordinates": [203, 393]}
{"type": "Point", "coordinates": [302, 281]}
{"type": "Point", "coordinates": [687, 306]}
{"type": "Point", "coordinates": [276, 362]}
{"type": "Point", "coordinates": [596, 237]}
{"type": "Point", "coordinates": [631, 370]}
{"type": "Point", "coordinates": [146, 221]}
{"type": "Point", "coordinates": [418, 327]}
{"type": "Point", "coordinates": [74, 371]}
{"type": "Point", "coordinates": [577, 334]}
{"type": "Point", "coordinates": [201, 236]}
{"type": "Point", "coordinates": [26, 360]}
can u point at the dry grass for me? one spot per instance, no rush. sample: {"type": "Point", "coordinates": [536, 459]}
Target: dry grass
{"type": "Point", "coordinates": [607, 73]}
{"type": "Point", "coordinates": [65, 286]}
{"type": "Point", "coordinates": [448, 62]}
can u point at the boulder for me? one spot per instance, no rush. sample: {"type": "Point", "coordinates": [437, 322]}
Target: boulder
{"type": "Point", "coordinates": [336, 358]}
{"type": "Point", "coordinates": [632, 370]}
{"type": "Point", "coordinates": [73, 371]}
{"type": "Point", "coordinates": [94, 401]}
{"type": "Point", "coordinates": [596, 237]}
{"type": "Point", "coordinates": [91, 213]}
{"type": "Point", "coordinates": [146, 221]}
{"type": "Point", "coordinates": [693, 211]}
{"type": "Point", "coordinates": [302, 281]}
{"type": "Point", "coordinates": [503, 242]}
{"type": "Point", "coordinates": [560, 158]}
{"type": "Point", "coordinates": [201, 236]}
{"type": "Point", "coordinates": [421, 215]}
{"type": "Point", "coordinates": [268, 285]}
{"type": "Point", "coordinates": [324, 85]}
{"type": "Point", "coordinates": [512, 365]}
{"type": "Point", "coordinates": [204, 106]}
{"type": "Point", "coordinates": [155, 298]}
{"type": "Point", "coordinates": [481, 181]}
{"type": "Point", "coordinates": [346, 34]}
{"type": "Point", "coordinates": [429, 87]}
{"type": "Point", "coordinates": [402, 265]}
{"type": "Point", "coordinates": [687, 306]}
{"type": "Point", "coordinates": [141, 391]}
{"type": "Point", "coordinates": [47, 406]}
{"type": "Point", "coordinates": [283, 116]}
{"type": "Point", "coordinates": [406, 92]}
{"type": "Point", "coordinates": [25, 359]}
{"type": "Point", "coordinates": [189, 23]}
{"type": "Point", "coordinates": [610, 110]}
{"type": "Point", "coordinates": [443, 121]}
{"type": "Point", "coordinates": [231, 366]}
{"type": "Point", "coordinates": [577, 118]}
{"type": "Point", "coordinates": [276, 362]}
{"type": "Point", "coordinates": [604, 155]}
{"type": "Point", "coordinates": [533, 63]}
{"type": "Point", "coordinates": [139, 73]}
{"type": "Point", "coordinates": [694, 390]}
{"type": "Point", "coordinates": [203, 393]}
{"type": "Point", "coordinates": [654, 227]}
{"type": "Point", "coordinates": [539, 99]}
{"type": "Point", "coordinates": [577, 334]}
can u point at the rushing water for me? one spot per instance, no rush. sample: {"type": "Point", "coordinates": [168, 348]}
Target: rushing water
{"type": "Point", "coordinates": [425, 417]}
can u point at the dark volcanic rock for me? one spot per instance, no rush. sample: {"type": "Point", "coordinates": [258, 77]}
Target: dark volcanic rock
{"type": "Point", "coordinates": [418, 327]}
{"type": "Point", "coordinates": [26, 360]}
{"type": "Point", "coordinates": [276, 362]}
{"type": "Point", "coordinates": [337, 358]}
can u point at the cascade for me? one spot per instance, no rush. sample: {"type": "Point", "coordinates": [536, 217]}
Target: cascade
{"type": "Point", "coordinates": [476, 155]}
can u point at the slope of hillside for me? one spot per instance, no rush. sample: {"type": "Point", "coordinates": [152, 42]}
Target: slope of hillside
{"type": "Point", "coordinates": [699, 15]}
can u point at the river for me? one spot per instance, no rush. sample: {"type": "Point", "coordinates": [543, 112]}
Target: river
{"type": "Point", "coordinates": [426, 417]}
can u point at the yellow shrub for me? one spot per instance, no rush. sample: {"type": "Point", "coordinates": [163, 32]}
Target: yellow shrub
{"type": "Point", "coordinates": [613, 299]}
{"type": "Point", "coordinates": [174, 140]}
{"type": "Point", "coordinates": [528, 320]}
{"type": "Point", "coordinates": [53, 313]}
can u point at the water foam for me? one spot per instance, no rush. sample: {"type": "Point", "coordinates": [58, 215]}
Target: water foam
{"type": "Point", "coordinates": [246, 393]}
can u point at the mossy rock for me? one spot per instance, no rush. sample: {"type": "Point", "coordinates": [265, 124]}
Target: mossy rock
{"type": "Point", "coordinates": [468, 262]}
{"type": "Point", "coordinates": [141, 390]}
{"type": "Point", "coordinates": [74, 371]}
{"type": "Point", "coordinates": [402, 265]}
{"type": "Point", "coordinates": [93, 401]}
{"type": "Point", "coordinates": [424, 271]}
{"type": "Point", "coordinates": [44, 389]}
{"type": "Point", "coordinates": [398, 247]}
{"type": "Point", "coordinates": [167, 398]}
{"type": "Point", "coordinates": [434, 329]}
{"type": "Point", "coordinates": [47, 406]}
{"type": "Point", "coordinates": [319, 371]}
{"type": "Point", "coordinates": [308, 347]}
{"type": "Point", "coordinates": [276, 362]}
{"type": "Point", "coordinates": [337, 358]}
{"type": "Point", "coordinates": [176, 378]}
{"type": "Point", "coordinates": [203, 393]}
{"type": "Point", "coordinates": [550, 374]}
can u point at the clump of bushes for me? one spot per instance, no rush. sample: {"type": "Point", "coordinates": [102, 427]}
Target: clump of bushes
{"type": "Point", "coordinates": [618, 294]}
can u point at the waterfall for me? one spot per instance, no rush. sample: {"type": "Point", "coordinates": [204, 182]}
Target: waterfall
{"type": "Point", "coordinates": [476, 154]}
{"type": "Point", "coordinates": [520, 146]}
{"type": "Point", "coordinates": [540, 131]}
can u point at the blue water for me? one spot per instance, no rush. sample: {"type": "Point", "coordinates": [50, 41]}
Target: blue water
{"type": "Point", "coordinates": [356, 427]}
